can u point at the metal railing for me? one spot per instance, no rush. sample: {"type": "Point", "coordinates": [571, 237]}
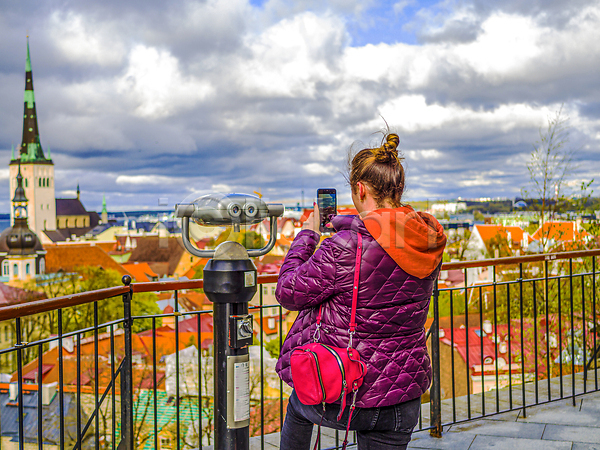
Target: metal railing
{"type": "Point", "coordinates": [116, 388]}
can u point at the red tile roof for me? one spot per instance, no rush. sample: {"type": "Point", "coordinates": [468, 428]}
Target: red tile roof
{"type": "Point", "coordinates": [67, 258]}
{"type": "Point", "coordinates": [141, 272]}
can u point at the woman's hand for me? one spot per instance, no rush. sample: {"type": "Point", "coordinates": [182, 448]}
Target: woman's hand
{"type": "Point", "coordinates": [313, 221]}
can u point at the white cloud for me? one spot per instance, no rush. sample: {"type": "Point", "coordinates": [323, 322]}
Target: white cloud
{"type": "Point", "coordinates": [155, 82]}
{"type": "Point", "coordinates": [319, 169]}
{"type": "Point", "coordinates": [83, 40]}
{"type": "Point", "coordinates": [152, 180]}
{"type": "Point", "coordinates": [431, 153]}
{"type": "Point", "coordinates": [400, 6]}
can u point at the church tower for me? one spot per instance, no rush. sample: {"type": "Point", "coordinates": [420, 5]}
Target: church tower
{"type": "Point", "coordinates": [21, 251]}
{"type": "Point", "coordinates": [36, 169]}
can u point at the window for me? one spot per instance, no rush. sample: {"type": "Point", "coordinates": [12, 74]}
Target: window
{"type": "Point", "coordinates": [42, 266]}
{"type": "Point", "coordinates": [271, 322]}
{"type": "Point", "coordinates": [40, 182]}
{"type": "Point", "coordinates": [6, 333]}
{"type": "Point", "coordinates": [165, 443]}
{"type": "Point", "coordinates": [5, 269]}
{"type": "Point", "coordinates": [27, 268]}
{"type": "Point", "coordinates": [26, 182]}
{"type": "Point", "coordinates": [15, 270]}
{"type": "Point", "coordinates": [272, 290]}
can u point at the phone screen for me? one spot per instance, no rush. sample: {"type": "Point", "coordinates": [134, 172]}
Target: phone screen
{"type": "Point", "coordinates": [327, 202]}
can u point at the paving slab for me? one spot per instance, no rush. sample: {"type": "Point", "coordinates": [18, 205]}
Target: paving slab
{"type": "Point", "coordinates": [510, 443]}
{"type": "Point", "coordinates": [562, 412]}
{"type": "Point", "coordinates": [506, 429]}
{"type": "Point", "coordinates": [583, 446]}
{"type": "Point", "coordinates": [454, 441]}
{"type": "Point", "coordinates": [589, 435]}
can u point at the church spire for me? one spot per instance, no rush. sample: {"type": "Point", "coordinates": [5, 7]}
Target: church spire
{"type": "Point", "coordinates": [31, 149]}
{"type": "Point", "coordinates": [20, 200]}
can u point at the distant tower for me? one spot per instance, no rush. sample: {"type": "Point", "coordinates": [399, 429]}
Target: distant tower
{"type": "Point", "coordinates": [37, 170]}
{"type": "Point", "coordinates": [104, 215]}
{"type": "Point", "coordinates": [21, 251]}
{"type": "Point", "coordinates": [78, 191]}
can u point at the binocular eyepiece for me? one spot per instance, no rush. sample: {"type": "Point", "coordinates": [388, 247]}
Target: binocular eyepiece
{"type": "Point", "coordinates": [228, 210]}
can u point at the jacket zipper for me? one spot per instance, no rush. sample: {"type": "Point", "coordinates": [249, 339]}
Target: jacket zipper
{"type": "Point", "coordinates": [314, 355]}
{"type": "Point", "coordinates": [341, 365]}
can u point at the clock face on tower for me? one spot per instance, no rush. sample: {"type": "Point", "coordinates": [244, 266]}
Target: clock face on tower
{"type": "Point", "coordinates": [20, 211]}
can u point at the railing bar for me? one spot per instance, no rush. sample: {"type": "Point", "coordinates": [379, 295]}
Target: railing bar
{"type": "Point", "coordinates": [584, 334]}
{"type": "Point", "coordinates": [452, 356]}
{"type": "Point", "coordinates": [524, 401]}
{"type": "Point", "coordinates": [548, 354]}
{"type": "Point", "coordinates": [114, 379]}
{"type": "Point", "coordinates": [60, 381]}
{"type": "Point", "coordinates": [496, 341]}
{"type": "Point", "coordinates": [199, 318]}
{"type": "Point", "coordinates": [79, 436]}
{"type": "Point", "coordinates": [95, 412]}
{"type": "Point", "coordinates": [40, 390]}
{"type": "Point", "coordinates": [280, 380]}
{"type": "Point", "coordinates": [535, 343]}
{"type": "Point", "coordinates": [560, 366]}
{"type": "Point", "coordinates": [177, 393]}
{"type": "Point", "coordinates": [55, 338]}
{"type": "Point", "coordinates": [572, 330]}
{"type": "Point", "coordinates": [468, 371]}
{"type": "Point", "coordinates": [154, 384]}
{"type": "Point", "coordinates": [52, 304]}
{"type": "Point", "coordinates": [481, 351]}
{"type": "Point", "coordinates": [262, 378]}
{"type": "Point", "coordinates": [96, 375]}
{"type": "Point", "coordinates": [519, 259]}
{"type": "Point", "coordinates": [594, 315]}
{"type": "Point", "coordinates": [20, 384]}
{"type": "Point", "coordinates": [509, 349]}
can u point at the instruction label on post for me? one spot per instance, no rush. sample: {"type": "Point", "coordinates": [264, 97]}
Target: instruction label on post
{"type": "Point", "coordinates": [241, 391]}
{"type": "Point", "coordinates": [249, 279]}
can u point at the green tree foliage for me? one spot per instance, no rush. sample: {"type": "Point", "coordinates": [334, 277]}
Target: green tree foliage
{"type": "Point", "coordinates": [90, 278]}
{"type": "Point", "coordinates": [249, 239]}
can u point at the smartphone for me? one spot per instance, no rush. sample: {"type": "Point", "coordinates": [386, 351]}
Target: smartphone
{"type": "Point", "coordinates": [327, 203]}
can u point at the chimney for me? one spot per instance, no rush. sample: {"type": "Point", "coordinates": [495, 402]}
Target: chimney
{"type": "Point", "coordinates": [48, 393]}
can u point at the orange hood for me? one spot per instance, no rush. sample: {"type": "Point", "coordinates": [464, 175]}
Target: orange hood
{"type": "Point", "coordinates": [415, 240]}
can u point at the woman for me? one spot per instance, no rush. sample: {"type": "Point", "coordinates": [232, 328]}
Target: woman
{"type": "Point", "coordinates": [401, 256]}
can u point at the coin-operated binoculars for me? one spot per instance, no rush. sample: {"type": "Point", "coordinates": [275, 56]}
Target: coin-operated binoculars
{"type": "Point", "coordinates": [230, 283]}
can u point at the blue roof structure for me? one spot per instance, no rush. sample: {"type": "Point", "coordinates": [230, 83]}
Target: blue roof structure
{"type": "Point", "coordinates": [9, 417]}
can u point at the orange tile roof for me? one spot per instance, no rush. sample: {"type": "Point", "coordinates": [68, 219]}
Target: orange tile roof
{"type": "Point", "coordinates": [488, 232]}
{"type": "Point", "coordinates": [140, 271]}
{"type": "Point", "coordinates": [68, 257]}
{"type": "Point", "coordinates": [560, 231]}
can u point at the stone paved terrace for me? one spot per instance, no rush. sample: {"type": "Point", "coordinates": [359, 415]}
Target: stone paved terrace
{"type": "Point", "coordinates": [549, 426]}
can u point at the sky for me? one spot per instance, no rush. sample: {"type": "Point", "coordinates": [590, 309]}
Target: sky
{"type": "Point", "coordinates": [151, 103]}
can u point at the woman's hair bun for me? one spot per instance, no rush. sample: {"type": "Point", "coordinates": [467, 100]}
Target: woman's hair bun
{"type": "Point", "coordinates": [388, 152]}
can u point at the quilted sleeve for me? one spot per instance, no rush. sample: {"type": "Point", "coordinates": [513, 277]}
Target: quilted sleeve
{"type": "Point", "coordinates": [307, 279]}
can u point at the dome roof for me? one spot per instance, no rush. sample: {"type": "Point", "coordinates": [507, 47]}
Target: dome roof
{"type": "Point", "coordinates": [20, 240]}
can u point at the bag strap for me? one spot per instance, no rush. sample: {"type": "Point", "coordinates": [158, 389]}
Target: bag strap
{"type": "Point", "coordinates": [354, 296]}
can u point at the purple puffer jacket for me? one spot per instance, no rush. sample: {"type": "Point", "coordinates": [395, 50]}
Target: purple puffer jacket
{"type": "Point", "coordinates": [391, 312]}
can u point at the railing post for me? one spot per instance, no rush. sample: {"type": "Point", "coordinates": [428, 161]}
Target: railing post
{"type": "Point", "coordinates": [230, 283]}
{"type": "Point", "coordinates": [126, 374]}
{"type": "Point", "coordinates": [435, 394]}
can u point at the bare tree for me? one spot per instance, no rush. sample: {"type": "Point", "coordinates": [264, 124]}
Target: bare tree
{"type": "Point", "coordinates": [550, 165]}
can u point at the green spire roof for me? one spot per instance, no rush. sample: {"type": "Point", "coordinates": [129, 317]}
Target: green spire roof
{"type": "Point", "coordinates": [104, 210]}
{"type": "Point", "coordinates": [31, 148]}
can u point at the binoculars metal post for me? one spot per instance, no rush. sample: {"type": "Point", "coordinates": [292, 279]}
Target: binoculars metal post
{"type": "Point", "coordinates": [230, 282]}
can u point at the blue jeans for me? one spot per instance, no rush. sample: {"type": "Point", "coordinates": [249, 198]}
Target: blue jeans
{"type": "Point", "coordinates": [384, 428]}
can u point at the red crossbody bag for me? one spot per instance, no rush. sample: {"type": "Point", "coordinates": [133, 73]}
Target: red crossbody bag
{"type": "Point", "coordinates": [325, 374]}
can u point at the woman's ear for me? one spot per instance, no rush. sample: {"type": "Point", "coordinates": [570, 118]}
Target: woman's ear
{"type": "Point", "coordinates": [362, 191]}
